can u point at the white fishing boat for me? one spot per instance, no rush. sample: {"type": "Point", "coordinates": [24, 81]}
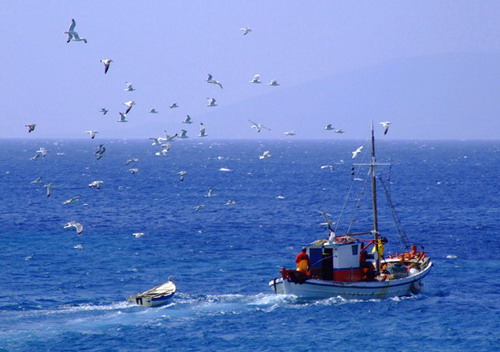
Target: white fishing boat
{"type": "Point", "coordinates": [156, 296]}
{"type": "Point", "coordinates": [351, 266]}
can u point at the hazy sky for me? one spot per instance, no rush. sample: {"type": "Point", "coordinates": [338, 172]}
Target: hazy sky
{"type": "Point", "coordinates": [166, 49]}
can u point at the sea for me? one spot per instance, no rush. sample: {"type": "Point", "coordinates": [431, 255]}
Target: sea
{"type": "Point", "coordinates": [60, 291]}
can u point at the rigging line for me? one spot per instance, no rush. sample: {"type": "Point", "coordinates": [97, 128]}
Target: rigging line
{"type": "Point", "coordinates": [403, 238]}
{"type": "Point", "coordinates": [348, 195]}
{"type": "Point", "coordinates": [357, 206]}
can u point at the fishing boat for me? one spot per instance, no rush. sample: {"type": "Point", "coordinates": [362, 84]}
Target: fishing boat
{"type": "Point", "coordinates": [353, 266]}
{"type": "Point", "coordinates": [157, 296]}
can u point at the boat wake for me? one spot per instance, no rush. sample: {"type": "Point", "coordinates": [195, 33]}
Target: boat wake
{"type": "Point", "coordinates": [85, 318]}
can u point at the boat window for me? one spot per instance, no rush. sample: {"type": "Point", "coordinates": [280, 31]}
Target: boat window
{"type": "Point", "coordinates": [354, 249]}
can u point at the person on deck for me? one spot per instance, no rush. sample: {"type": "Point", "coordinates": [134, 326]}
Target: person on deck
{"type": "Point", "coordinates": [303, 262]}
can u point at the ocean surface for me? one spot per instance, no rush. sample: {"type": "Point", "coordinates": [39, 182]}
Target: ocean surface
{"type": "Point", "coordinates": [55, 297]}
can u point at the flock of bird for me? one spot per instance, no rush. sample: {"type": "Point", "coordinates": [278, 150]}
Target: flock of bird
{"type": "Point", "coordinates": [164, 142]}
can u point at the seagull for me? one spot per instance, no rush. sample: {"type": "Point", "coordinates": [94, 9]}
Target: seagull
{"type": "Point", "coordinates": [168, 137]}
{"type": "Point", "coordinates": [174, 105]}
{"type": "Point", "coordinates": [211, 102]}
{"type": "Point", "coordinates": [327, 167]}
{"type": "Point", "coordinates": [181, 175]}
{"type": "Point", "coordinates": [280, 197]}
{"type": "Point", "coordinates": [31, 127]}
{"type": "Point", "coordinates": [274, 83]}
{"type": "Point", "coordinates": [213, 81]}
{"type": "Point", "coordinates": [104, 111]}
{"type": "Point", "coordinates": [290, 133]}
{"type": "Point", "coordinates": [225, 169]}
{"type": "Point", "coordinates": [35, 157]}
{"type": "Point", "coordinates": [129, 105]}
{"type": "Point", "coordinates": [96, 184]}
{"type": "Point", "coordinates": [385, 124]}
{"type": "Point", "coordinates": [133, 160]}
{"type": "Point", "coordinates": [42, 151]}
{"type": "Point", "coordinates": [265, 155]}
{"type": "Point", "coordinates": [78, 227]}
{"type": "Point", "coordinates": [156, 141]}
{"type": "Point", "coordinates": [338, 131]}
{"type": "Point", "coordinates": [210, 192]}
{"type": "Point", "coordinates": [230, 202]}
{"type": "Point", "coordinates": [199, 207]}
{"type": "Point", "coordinates": [106, 63]}
{"type": "Point", "coordinates": [138, 234]}
{"type": "Point", "coordinates": [183, 134]}
{"type": "Point", "coordinates": [256, 79]}
{"type": "Point", "coordinates": [356, 152]}
{"type": "Point", "coordinates": [187, 120]}
{"type": "Point", "coordinates": [72, 35]}
{"type": "Point", "coordinates": [129, 87]}
{"type": "Point", "coordinates": [100, 151]}
{"type": "Point", "coordinates": [78, 246]}
{"type": "Point", "coordinates": [258, 126]}
{"type": "Point", "coordinates": [37, 180]}
{"type": "Point", "coordinates": [329, 127]}
{"type": "Point", "coordinates": [92, 133]}
{"type": "Point", "coordinates": [245, 30]}
{"type": "Point", "coordinates": [71, 200]}
{"type": "Point", "coordinates": [133, 170]}
{"type": "Point", "coordinates": [153, 111]}
{"type": "Point", "coordinates": [123, 117]}
{"type": "Point", "coordinates": [202, 130]}
{"type": "Point", "coordinates": [49, 188]}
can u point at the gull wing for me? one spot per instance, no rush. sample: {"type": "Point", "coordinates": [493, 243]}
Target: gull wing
{"type": "Point", "coordinates": [72, 26]}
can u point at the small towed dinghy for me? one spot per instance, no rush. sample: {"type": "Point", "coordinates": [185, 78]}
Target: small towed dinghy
{"type": "Point", "coordinates": [156, 296]}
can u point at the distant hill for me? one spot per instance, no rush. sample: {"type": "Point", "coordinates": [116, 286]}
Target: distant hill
{"type": "Point", "coordinates": [449, 96]}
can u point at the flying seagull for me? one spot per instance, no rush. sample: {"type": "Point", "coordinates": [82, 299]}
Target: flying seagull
{"type": "Point", "coordinates": [174, 105]}
{"type": "Point", "coordinates": [202, 130]}
{"type": "Point", "coordinates": [256, 79]}
{"type": "Point", "coordinates": [78, 227]}
{"type": "Point", "coordinates": [245, 30]}
{"type": "Point", "coordinates": [356, 152]}
{"type": "Point", "coordinates": [385, 124]}
{"type": "Point", "coordinates": [129, 105]}
{"type": "Point", "coordinates": [104, 111]}
{"type": "Point", "coordinates": [199, 207]}
{"type": "Point", "coordinates": [138, 234]}
{"type": "Point", "coordinates": [49, 188]}
{"type": "Point", "coordinates": [106, 63]}
{"type": "Point", "coordinates": [187, 120]}
{"type": "Point", "coordinates": [211, 102]}
{"type": "Point", "coordinates": [71, 200]}
{"type": "Point", "coordinates": [274, 83]}
{"type": "Point", "coordinates": [123, 117]}
{"type": "Point", "coordinates": [129, 88]}
{"type": "Point", "coordinates": [153, 111]}
{"type": "Point", "coordinates": [290, 133]}
{"type": "Point", "coordinates": [265, 155]}
{"type": "Point", "coordinates": [181, 175]}
{"type": "Point", "coordinates": [210, 192]}
{"type": "Point", "coordinates": [31, 127]}
{"type": "Point", "coordinates": [100, 151]}
{"type": "Point", "coordinates": [329, 127]}
{"type": "Point", "coordinates": [258, 126]}
{"type": "Point", "coordinates": [92, 133]}
{"type": "Point", "coordinates": [338, 131]}
{"type": "Point", "coordinates": [133, 170]}
{"type": "Point", "coordinates": [213, 81]}
{"type": "Point", "coordinates": [72, 35]}
{"type": "Point", "coordinates": [133, 160]}
{"type": "Point", "coordinates": [183, 134]}
{"type": "Point", "coordinates": [37, 180]}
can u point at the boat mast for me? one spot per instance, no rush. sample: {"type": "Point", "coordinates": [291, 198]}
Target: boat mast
{"type": "Point", "coordinates": [374, 199]}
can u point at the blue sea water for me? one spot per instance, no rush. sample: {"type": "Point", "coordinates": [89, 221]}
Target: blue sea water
{"type": "Point", "coordinates": [54, 297]}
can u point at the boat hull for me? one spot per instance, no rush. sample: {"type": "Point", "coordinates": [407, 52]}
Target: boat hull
{"type": "Point", "coordinates": [150, 301]}
{"type": "Point", "coordinates": [320, 289]}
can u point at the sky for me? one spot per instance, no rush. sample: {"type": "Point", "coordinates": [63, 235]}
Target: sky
{"type": "Point", "coordinates": [330, 58]}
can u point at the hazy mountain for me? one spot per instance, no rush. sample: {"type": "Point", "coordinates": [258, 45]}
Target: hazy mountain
{"type": "Point", "coordinates": [449, 96]}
